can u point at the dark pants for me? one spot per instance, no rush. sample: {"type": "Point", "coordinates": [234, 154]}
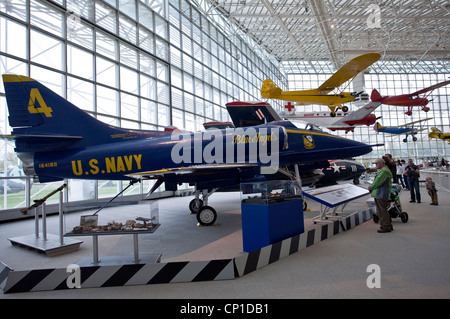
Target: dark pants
{"type": "Point", "coordinates": [383, 214]}
{"type": "Point", "coordinates": [400, 178]}
{"type": "Point", "coordinates": [406, 179]}
{"type": "Point", "coordinates": [414, 189]}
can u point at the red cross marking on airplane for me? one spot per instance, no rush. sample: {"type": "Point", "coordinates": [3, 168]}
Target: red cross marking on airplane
{"type": "Point", "coordinates": [289, 106]}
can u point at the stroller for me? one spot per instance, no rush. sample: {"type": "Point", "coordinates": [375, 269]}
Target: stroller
{"type": "Point", "coordinates": [395, 207]}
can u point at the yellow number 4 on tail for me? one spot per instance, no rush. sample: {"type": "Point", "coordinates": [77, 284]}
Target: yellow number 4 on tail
{"type": "Point", "coordinates": [36, 95]}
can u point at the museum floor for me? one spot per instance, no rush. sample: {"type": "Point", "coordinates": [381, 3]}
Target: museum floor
{"type": "Point", "coordinates": [413, 259]}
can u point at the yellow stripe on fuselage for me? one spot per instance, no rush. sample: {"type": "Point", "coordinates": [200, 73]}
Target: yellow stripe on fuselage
{"type": "Point", "coordinates": [311, 133]}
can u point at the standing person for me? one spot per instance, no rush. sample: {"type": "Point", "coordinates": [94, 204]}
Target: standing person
{"type": "Point", "coordinates": [391, 165]}
{"type": "Point", "coordinates": [432, 191]}
{"type": "Point", "coordinates": [412, 171]}
{"type": "Point", "coordinates": [405, 178]}
{"type": "Point", "coordinates": [399, 172]}
{"type": "Point", "coordinates": [381, 191]}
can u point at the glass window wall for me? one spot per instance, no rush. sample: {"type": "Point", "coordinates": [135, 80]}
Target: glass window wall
{"type": "Point", "coordinates": [423, 149]}
{"type": "Point", "coordinates": [142, 64]}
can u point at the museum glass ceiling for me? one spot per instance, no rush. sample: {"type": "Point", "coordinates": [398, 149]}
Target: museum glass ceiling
{"type": "Point", "coordinates": [319, 36]}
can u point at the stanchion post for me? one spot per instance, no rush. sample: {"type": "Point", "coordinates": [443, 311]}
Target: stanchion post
{"type": "Point", "coordinates": [44, 222]}
{"type": "Point", "coordinates": [61, 219]}
{"type": "Point", "coordinates": [136, 248]}
{"type": "Point", "coordinates": [36, 222]}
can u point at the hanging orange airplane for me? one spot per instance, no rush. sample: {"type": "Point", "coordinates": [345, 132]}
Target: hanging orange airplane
{"type": "Point", "coordinates": [320, 95]}
{"type": "Point", "coordinates": [408, 100]}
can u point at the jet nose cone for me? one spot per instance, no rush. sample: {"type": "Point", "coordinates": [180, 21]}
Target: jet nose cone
{"type": "Point", "coordinates": [354, 148]}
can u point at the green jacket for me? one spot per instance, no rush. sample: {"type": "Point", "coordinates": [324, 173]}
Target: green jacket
{"type": "Point", "coordinates": [381, 186]}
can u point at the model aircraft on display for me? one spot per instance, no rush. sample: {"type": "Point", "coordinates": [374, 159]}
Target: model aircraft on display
{"type": "Point", "coordinates": [323, 94]}
{"type": "Point", "coordinates": [407, 129]}
{"type": "Point", "coordinates": [342, 121]}
{"type": "Point", "coordinates": [408, 100]}
{"type": "Point", "coordinates": [341, 170]}
{"type": "Point", "coordinates": [336, 171]}
{"type": "Point", "coordinates": [56, 140]}
{"type": "Point", "coordinates": [436, 133]}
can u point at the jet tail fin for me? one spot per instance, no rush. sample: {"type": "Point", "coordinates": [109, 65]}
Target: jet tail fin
{"type": "Point", "coordinates": [251, 113]}
{"type": "Point", "coordinates": [44, 121]}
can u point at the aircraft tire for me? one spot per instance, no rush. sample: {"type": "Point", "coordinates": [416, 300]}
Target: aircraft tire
{"type": "Point", "coordinates": [332, 114]}
{"type": "Point", "coordinates": [345, 109]}
{"type": "Point", "coordinates": [195, 208]}
{"type": "Point", "coordinates": [206, 216]}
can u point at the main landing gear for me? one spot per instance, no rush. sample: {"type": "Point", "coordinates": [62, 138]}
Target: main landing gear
{"type": "Point", "coordinates": [409, 112]}
{"type": "Point", "coordinates": [206, 215]}
{"type": "Point", "coordinates": [405, 140]}
{"type": "Point", "coordinates": [333, 110]}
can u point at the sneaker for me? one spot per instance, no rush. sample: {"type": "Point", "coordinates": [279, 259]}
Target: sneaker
{"type": "Point", "coordinates": [412, 201]}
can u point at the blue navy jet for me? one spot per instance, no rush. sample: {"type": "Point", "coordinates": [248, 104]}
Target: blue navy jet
{"type": "Point", "coordinates": [56, 140]}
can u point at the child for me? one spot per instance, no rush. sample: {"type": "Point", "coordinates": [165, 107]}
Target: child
{"type": "Point", "coordinates": [432, 191]}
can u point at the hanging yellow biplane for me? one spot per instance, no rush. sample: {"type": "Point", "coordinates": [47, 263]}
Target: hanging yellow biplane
{"type": "Point", "coordinates": [321, 95]}
{"type": "Point", "coordinates": [436, 133]}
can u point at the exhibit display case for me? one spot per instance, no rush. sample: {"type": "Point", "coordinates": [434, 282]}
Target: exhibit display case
{"type": "Point", "coordinates": [125, 224]}
{"type": "Point", "coordinates": [89, 224]}
{"type": "Point", "coordinates": [271, 212]}
{"type": "Point", "coordinates": [269, 192]}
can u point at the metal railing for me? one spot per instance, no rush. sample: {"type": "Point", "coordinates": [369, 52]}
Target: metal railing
{"type": "Point", "coordinates": [440, 177]}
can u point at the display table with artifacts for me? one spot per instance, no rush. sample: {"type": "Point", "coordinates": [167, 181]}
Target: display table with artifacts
{"type": "Point", "coordinates": [332, 198]}
{"type": "Point", "coordinates": [271, 212]}
{"type": "Point", "coordinates": [140, 225]}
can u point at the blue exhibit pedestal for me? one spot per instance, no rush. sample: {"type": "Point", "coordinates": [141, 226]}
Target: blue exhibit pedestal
{"type": "Point", "coordinates": [263, 225]}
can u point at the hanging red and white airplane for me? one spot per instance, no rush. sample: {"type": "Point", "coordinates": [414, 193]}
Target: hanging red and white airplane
{"type": "Point", "coordinates": [408, 100]}
{"type": "Point", "coordinates": [342, 121]}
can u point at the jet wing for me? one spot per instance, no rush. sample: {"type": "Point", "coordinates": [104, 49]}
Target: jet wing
{"type": "Point", "coordinates": [194, 169]}
{"type": "Point", "coordinates": [204, 176]}
{"type": "Point", "coordinates": [8, 136]}
{"type": "Point", "coordinates": [349, 71]}
{"type": "Point", "coordinates": [359, 114]}
{"type": "Point", "coordinates": [431, 88]}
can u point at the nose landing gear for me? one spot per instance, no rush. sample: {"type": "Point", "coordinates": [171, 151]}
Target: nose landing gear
{"type": "Point", "coordinates": [206, 215]}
